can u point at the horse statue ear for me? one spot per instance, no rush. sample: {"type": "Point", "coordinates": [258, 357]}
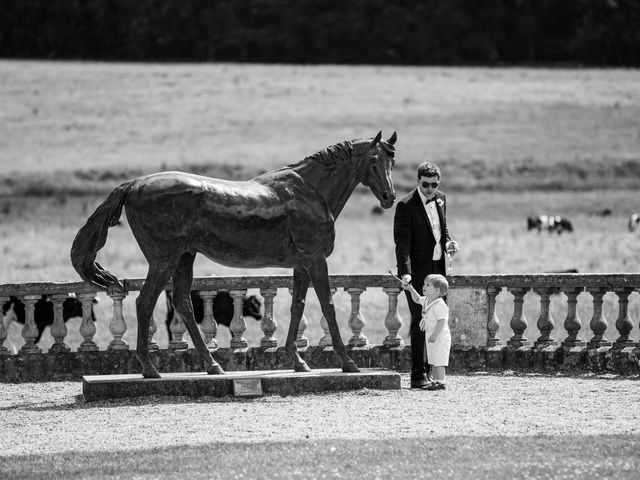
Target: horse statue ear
{"type": "Point", "coordinates": [377, 139]}
{"type": "Point", "coordinates": [392, 139]}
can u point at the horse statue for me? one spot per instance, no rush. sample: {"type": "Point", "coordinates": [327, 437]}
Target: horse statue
{"type": "Point", "coordinates": [282, 218]}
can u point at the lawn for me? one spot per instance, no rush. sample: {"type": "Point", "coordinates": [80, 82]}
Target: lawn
{"type": "Point", "coordinates": [489, 457]}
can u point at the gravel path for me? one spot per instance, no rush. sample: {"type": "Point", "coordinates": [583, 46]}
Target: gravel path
{"type": "Point", "coordinates": [52, 418]}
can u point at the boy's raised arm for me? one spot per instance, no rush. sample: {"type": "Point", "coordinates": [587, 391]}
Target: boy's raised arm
{"type": "Point", "coordinates": [415, 296]}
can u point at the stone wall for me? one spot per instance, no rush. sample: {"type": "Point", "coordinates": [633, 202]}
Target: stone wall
{"type": "Point", "coordinates": [473, 323]}
{"type": "Point", "coordinates": [464, 358]}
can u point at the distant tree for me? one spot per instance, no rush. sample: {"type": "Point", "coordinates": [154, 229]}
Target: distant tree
{"type": "Point", "coordinates": [427, 32]}
{"type": "Point", "coordinates": [608, 33]}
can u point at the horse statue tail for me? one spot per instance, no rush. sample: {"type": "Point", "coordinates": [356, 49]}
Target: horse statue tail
{"type": "Point", "coordinates": [92, 237]}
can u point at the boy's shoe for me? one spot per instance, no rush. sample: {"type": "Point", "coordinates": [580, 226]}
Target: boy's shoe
{"type": "Point", "coordinates": [434, 386]}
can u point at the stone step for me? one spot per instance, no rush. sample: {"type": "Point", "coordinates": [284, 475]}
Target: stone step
{"type": "Point", "coordinates": [239, 384]}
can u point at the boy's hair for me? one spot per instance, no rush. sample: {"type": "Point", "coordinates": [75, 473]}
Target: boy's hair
{"type": "Point", "coordinates": [439, 282]}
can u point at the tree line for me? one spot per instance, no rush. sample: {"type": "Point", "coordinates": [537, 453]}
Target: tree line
{"type": "Point", "coordinates": [601, 33]}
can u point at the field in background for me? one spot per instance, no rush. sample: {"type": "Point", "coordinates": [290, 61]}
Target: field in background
{"type": "Point", "coordinates": [82, 127]}
{"type": "Point", "coordinates": [511, 142]}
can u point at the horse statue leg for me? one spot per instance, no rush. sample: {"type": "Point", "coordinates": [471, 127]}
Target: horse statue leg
{"type": "Point", "coordinates": [145, 303]}
{"type": "Point", "coordinates": [182, 279]}
{"type": "Point", "coordinates": [320, 279]}
{"type": "Point", "coordinates": [300, 287]}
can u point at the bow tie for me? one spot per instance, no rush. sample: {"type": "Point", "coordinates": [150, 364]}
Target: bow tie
{"type": "Point", "coordinates": [432, 199]}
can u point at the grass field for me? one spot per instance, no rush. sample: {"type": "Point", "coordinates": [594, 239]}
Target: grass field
{"type": "Point", "coordinates": [511, 142]}
{"type": "Point", "coordinates": [487, 457]}
{"type": "Point", "coordinates": [95, 123]}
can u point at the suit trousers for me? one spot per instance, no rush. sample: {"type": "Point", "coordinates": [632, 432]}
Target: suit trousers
{"type": "Point", "coordinates": [419, 360]}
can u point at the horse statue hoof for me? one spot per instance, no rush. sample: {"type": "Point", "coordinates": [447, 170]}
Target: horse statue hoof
{"type": "Point", "coordinates": [350, 367]}
{"type": "Point", "coordinates": [301, 367]}
{"type": "Point", "coordinates": [215, 369]}
{"type": "Point", "coordinates": [150, 373]}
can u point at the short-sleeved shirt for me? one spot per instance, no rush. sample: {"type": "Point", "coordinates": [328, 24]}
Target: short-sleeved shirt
{"type": "Point", "coordinates": [438, 351]}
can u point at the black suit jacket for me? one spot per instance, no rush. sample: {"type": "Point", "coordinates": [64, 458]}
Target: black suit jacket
{"type": "Point", "coordinates": [414, 238]}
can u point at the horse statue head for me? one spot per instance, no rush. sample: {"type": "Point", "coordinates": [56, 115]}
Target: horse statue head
{"type": "Point", "coordinates": [375, 162]}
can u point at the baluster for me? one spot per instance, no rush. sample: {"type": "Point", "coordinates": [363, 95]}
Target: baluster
{"type": "Point", "coordinates": [178, 329]}
{"type": "Point", "coordinates": [268, 323]}
{"type": "Point", "coordinates": [238, 324]}
{"type": "Point", "coordinates": [30, 329]}
{"type": "Point", "coordinates": [624, 324]}
{"type": "Point", "coordinates": [493, 322]}
{"type": "Point", "coordinates": [301, 341]}
{"type": "Point", "coordinates": [393, 321]}
{"type": "Point", "coordinates": [87, 327]}
{"type": "Point", "coordinates": [153, 328]}
{"type": "Point", "coordinates": [326, 340]}
{"type": "Point", "coordinates": [545, 321]}
{"type": "Point", "coordinates": [209, 326]}
{"type": "Point", "coordinates": [518, 321]}
{"type": "Point", "coordinates": [573, 323]}
{"type": "Point", "coordinates": [598, 322]}
{"type": "Point", "coordinates": [58, 329]}
{"type": "Point", "coordinates": [356, 319]}
{"type": "Point", "coordinates": [3, 331]}
{"type": "Point", "coordinates": [117, 326]}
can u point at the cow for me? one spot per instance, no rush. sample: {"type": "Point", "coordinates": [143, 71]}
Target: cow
{"type": "Point", "coordinates": [550, 223]}
{"type": "Point", "coordinates": [605, 212]}
{"type": "Point", "coordinates": [562, 224]}
{"type": "Point", "coordinates": [222, 308]}
{"type": "Point", "coordinates": [634, 222]}
{"type": "Point", "coordinates": [14, 310]}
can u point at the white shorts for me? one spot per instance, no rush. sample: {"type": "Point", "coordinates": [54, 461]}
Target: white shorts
{"type": "Point", "coordinates": [438, 352]}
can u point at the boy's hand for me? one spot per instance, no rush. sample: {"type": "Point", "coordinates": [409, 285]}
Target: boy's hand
{"type": "Point", "coordinates": [431, 339]}
{"type": "Point", "coordinates": [406, 281]}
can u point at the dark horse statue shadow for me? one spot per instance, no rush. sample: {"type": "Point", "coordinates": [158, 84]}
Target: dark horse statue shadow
{"type": "Point", "coordinates": [283, 218]}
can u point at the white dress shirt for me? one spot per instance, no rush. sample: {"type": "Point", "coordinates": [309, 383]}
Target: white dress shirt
{"type": "Point", "coordinates": [434, 220]}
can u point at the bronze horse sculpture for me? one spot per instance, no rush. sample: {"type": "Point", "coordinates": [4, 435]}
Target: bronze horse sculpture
{"type": "Point", "coordinates": [282, 218]}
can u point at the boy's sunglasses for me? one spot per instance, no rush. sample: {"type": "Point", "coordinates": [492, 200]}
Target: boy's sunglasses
{"type": "Point", "coordinates": [432, 185]}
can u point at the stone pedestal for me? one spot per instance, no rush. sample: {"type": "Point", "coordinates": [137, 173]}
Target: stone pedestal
{"type": "Point", "coordinates": [270, 382]}
{"type": "Point", "coordinates": [495, 356]}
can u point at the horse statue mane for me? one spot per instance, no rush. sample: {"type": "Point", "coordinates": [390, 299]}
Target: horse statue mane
{"type": "Point", "coordinates": [342, 151]}
{"type": "Point", "coordinates": [330, 155]}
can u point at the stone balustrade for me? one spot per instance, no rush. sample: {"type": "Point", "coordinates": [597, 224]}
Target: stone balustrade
{"type": "Point", "coordinates": [478, 329]}
{"type": "Point", "coordinates": [561, 343]}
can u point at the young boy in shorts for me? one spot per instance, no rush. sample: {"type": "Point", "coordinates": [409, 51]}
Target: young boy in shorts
{"type": "Point", "coordinates": [435, 324]}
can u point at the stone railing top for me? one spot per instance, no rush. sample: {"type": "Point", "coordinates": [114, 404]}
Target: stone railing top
{"type": "Point", "coordinates": [538, 280]}
{"type": "Point", "coordinates": [199, 283]}
{"type": "Point", "coordinates": [560, 280]}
